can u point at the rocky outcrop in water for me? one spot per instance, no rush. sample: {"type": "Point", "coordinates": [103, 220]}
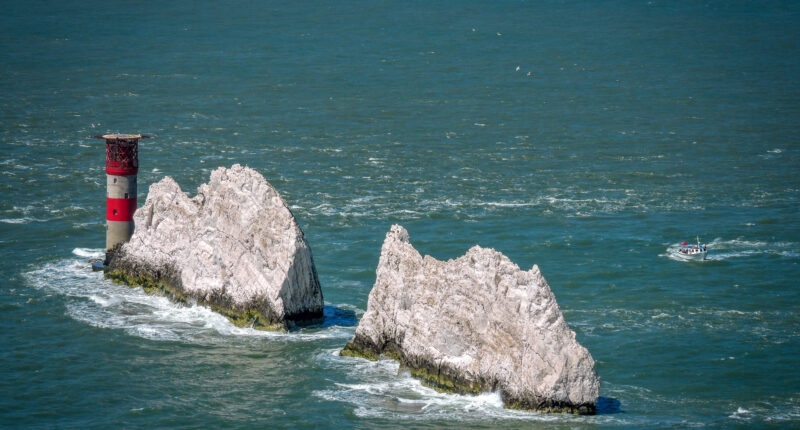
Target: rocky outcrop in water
{"type": "Point", "coordinates": [235, 247]}
{"type": "Point", "coordinates": [473, 324]}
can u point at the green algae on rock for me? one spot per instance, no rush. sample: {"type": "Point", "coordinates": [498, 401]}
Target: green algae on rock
{"type": "Point", "coordinates": [235, 247]}
{"type": "Point", "coordinates": [475, 324]}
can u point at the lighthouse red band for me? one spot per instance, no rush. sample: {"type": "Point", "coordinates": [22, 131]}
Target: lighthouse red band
{"type": "Point", "coordinates": [120, 209]}
{"type": "Point", "coordinates": [122, 165]}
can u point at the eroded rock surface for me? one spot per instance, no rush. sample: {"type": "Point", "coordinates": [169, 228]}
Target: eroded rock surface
{"type": "Point", "coordinates": [235, 247]}
{"type": "Point", "coordinates": [473, 324]}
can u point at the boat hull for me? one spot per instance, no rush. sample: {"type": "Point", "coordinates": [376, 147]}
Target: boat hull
{"type": "Point", "coordinates": [695, 256]}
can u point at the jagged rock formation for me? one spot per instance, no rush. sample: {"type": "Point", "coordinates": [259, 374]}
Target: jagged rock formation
{"type": "Point", "coordinates": [473, 324]}
{"type": "Point", "coordinates": [235, 247]}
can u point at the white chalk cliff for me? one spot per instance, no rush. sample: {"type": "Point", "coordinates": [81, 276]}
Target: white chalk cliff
{"type": "Point", "coordinates": [235, 247]}
{"type": "Point", "coordinates": [473, 324]}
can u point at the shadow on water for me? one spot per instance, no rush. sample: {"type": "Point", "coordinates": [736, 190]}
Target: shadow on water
{"type": "Point", "coordinates": [332, 316]}
{"type": "Point", "coordinates": [608, 406]}
{"type": "Point", "coordinates": [339, 317]}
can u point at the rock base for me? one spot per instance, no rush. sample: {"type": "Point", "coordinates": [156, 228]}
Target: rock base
{"type": "Point", "coordinates": [446, 380]}
{"type": "Point", "coordinates": [166, 281]}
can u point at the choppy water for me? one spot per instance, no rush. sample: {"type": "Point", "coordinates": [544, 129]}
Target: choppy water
{"type": "Point", "coordinates": [590, 138]}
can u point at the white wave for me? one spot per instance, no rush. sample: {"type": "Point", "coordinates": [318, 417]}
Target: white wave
{"type": "Point", "coordinates": [68, 210]}
{"type": "Point", "coordinates": [740, 413]}
{"type": "Point", "coordinates": [101, 303]}
{"type": "Point", "coordinates": [756, 323]}
{"type": "Point", "coordinates": [405, 212]}
{"type": "Point", "coordinates": [737, 243]}
{"type": "Point", "coordinates": [105, 301]}
{"type": "Point", "coordinates": [358, 311]}
{"type": "Point", "coordinates": [379, 389]}
{"type": "Point", "coordinates": [729, 255]}
{"type": "Point", "coordinates": [573, 205]}
{"type": "Point", "coordinates": [508, 204]}
{"type": "Point", "coordinates": [89, 252]}
{"type": "Point", "coordinates": [570, 202]}
{"type": "Point", "coordinates": [770, 411]}
{"type": "Point", "coordinates": [24, 220]}
{"type": "Point", "coordinates": [81, 225]}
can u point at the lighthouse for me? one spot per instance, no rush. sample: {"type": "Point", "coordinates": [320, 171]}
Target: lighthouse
{"type": "Point", "coordinates": [122, 165]}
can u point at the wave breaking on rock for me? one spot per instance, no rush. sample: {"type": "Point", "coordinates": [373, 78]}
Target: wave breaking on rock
{"type": "Point", "coordinates": [475, 324]}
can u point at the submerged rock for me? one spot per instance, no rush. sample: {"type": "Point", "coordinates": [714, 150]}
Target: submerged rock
{"type": "Point", "coordinates": [473, 324]}
{"type": "Point", "coordinates": [235, 247]}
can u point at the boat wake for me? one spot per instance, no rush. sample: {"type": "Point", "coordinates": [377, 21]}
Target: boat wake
{"type": "Point", "coordinates": [722, 250]}
{"type": "Point", "coordinates": [101, 303]}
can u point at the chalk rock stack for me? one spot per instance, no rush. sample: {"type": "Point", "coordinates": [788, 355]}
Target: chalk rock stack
{"type": "Point", "coordinates": [473, 324]}
{"type": "Point", "coordinates": [235, 247]}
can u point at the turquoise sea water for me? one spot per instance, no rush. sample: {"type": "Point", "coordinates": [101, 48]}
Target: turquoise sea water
{"type": "Point", "coordinates": [589, 138]}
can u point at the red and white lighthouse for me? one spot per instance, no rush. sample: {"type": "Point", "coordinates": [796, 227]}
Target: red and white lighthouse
{"type": "Point", "coordinates": [122, 166]}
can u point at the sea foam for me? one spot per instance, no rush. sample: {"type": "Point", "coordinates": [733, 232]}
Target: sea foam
{"type": "Point", "coordinates": [101, 303]}
{"type": "Point", "coordinates": [383, 390]}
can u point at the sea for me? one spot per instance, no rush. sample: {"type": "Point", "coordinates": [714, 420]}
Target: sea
{"type": "Point", "coordinates": [590, 138]}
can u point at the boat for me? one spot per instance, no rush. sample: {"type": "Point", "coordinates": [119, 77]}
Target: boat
{"type": "Point", "coordinates": [693, 252]}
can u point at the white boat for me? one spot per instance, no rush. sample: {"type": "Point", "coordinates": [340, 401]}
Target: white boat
{"type": "Point", "coordinates": [693, 252]}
